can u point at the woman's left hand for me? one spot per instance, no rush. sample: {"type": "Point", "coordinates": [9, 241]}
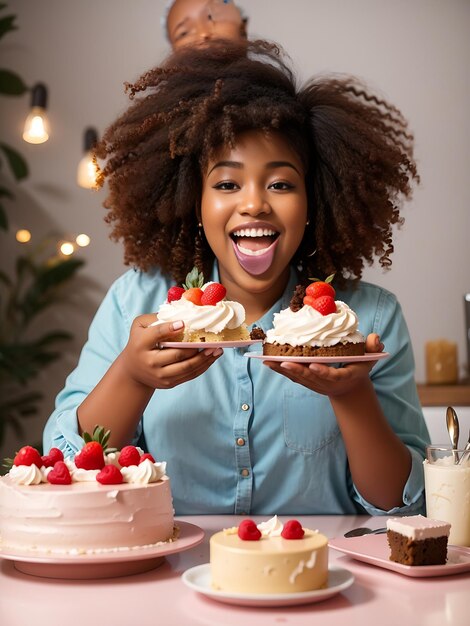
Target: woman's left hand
{"type": "Point", "coordinates": [329, 381]}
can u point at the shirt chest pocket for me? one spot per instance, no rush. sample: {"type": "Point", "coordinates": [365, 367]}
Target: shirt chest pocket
{"type": "Point", "coordinates": [309, 422]}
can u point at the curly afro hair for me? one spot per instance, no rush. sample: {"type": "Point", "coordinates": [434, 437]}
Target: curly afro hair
{"type": "Point", "coordinates": [356, 148]}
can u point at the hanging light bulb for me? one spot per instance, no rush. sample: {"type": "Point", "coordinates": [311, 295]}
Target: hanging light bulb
{"type": "Point", "coordinates": [87, 170]}
{"type": "Point", "coordinates": [36, 126]}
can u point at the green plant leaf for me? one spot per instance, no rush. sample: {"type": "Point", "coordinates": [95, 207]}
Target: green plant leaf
{"type": "Point", "coordinates": [17, 164]}
{"type": "Point", "coordinates": [11, 84]}
{"type": "Point", "coordinates": [6, 23]}
{"type": "Point", "coordinates": [6, 193]}
{"type": "Point", "coordinates": [4, 278]}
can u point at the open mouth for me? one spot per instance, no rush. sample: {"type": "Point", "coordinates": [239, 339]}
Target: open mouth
{"type": "Point", "coordinates": [254, 247]}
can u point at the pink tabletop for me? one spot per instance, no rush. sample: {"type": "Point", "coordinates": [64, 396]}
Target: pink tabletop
{"type": "Point", "coordinates": [159, 597]}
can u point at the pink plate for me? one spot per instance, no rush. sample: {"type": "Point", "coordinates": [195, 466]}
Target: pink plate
{"type": "Point", "coordinates": [104, 565]}
{"type": "Point", "coordinates": [199, 579]}
{"type": "Point", "coordinates": [208, 344]}
{"type": "Point", "coordinates": [373, 549]}
{"type": "Point", "coordinates": [369, 356]}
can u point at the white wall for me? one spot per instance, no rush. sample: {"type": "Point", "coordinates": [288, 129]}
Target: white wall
{"type": "Point", "coordinates": [415, 52]}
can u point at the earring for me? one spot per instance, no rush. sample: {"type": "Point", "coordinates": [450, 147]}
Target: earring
{"type": "Point", "coordinates": [199, 249]}
{"type": "Point", "coordinates": [307, 223]}
{"type": "Point", "coordinates": [312, 253]}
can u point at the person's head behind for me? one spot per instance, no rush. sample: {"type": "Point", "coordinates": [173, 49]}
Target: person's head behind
{"type": "Point", "coordinates": [355, 149]}
{"type": "Point", "coordinates": [194, 22]}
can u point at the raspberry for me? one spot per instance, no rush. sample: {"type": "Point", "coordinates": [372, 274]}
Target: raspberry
{"type": "Point", "coordinates": [145, 456]}
{"type": "Point", "coordinates": [49, 460]}
{"type": "Point", "coordinates": [59, 474]}
{"type": "Point", "coordinates": [213, 293]}
{"type": "Point", "coordinates": [109, 475]}
{"type": "Point", "coordinates": [174, 293]}
{"type": "Point", "coordinates": [129, 456]}
{"type": "Point", "coordinates": [248, 531]}
{"type": "Point", "coordinates": [27, 455]}
{"type": "Point", "coordinates": [90, 457]}
{"type": "Point", "coordinates": [292, 530]}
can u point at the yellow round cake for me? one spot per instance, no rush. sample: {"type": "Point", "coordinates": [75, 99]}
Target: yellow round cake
{"type": "Point", "coordinates": [270, 565]}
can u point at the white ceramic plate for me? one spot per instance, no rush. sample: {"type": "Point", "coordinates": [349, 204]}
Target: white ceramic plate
{"type": "Point", "coordinates": [208, 344]}
{"type": "Point", "coordinates": [374, 549]}
{"type": "Point", "coordinates": [106, 564]}
{"type": "Point", "coordinates": [368, 356]}
{"type": "Point", "coordinates": [199, 579]}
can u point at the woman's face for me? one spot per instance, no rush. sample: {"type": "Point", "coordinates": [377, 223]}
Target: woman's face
{"type": "Point", "coordinates": [193, 22]}
{"type": "Point", "coordinates": [254, 210]}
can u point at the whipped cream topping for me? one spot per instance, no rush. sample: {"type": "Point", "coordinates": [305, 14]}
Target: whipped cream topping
{"type": "Point", "coordinates": [211, 318]}
{"type": "Point", "coordinates": [309, 327]}
{"type": "Point", "coordinates": [27, 475]}
{"type": "Point", "coordinates": [271, 528]}
{"type": "Point", "coordinates": [144, 473]}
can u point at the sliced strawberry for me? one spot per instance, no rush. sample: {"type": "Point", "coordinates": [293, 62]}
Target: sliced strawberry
{"type": "Point", "coordinates": [49, 460]}
{"type": "Point", "coordinates": [309, 300]}
{"type": "Point", "coordinates": [320, 288]}
{"type": "Point", "coordinates": [292, 530]}
{"type": "Point", "coordinates": [145, 456]}
{"type": "Point", "coordinates": [109, 475]}
{"type": "Point", "coordinates": [324, 305]}
{"type": "Point", "coordinates": [90, 457]}
{"type": "Point", "coordinates": [59, 474]}
{"type": "Point", "coordinates": [27, 455]}
{"type": "Point", "coordinates": [193, 294]}
{"type": "Point", "coordinates": [129, 456]}
{"type": "Point", "coordinates": [174, 293]}
{"type": "Point", "coordinates": [248, 531]}
{"type": "Point", "coordinates": [213, 293]}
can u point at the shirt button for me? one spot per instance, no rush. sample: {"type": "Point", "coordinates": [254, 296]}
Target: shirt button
{"type": "Point", "coordinates": [240, 441]}
{"type": "Point", "coordinates": [245, 407]}
{"type": "Point", "coordinates": [245, 472]}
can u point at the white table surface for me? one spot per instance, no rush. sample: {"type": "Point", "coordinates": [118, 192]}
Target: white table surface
{"type": "Point", "coordinates": [159, 597]}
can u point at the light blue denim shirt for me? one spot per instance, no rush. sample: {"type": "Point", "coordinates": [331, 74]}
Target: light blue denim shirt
{"type": "Point", "coordinates": [242, 439]}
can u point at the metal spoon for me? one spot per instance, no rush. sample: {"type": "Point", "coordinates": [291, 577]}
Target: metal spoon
{"type": "Point", "coordinates": [453, 429]}
{"type": "Point", "coordinates": [358, 532]}
{"type": "Point", "coordinates": [466, 450]}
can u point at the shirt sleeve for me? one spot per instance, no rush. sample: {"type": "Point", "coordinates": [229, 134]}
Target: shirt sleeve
{"type": "Point", "coordinates": [108, 334]}
{"type": "Point", "coordinates": [394, 383]}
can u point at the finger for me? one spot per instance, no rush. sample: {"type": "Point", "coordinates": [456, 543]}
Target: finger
{"type": "Point", "coordinates": [373, 343]}
{"type": "Point", "coordinates": [176, 374]}
{"type": "Point", "coordinates": [154, 334]}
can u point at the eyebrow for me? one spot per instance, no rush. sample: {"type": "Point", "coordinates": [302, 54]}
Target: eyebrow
{"type": "Point", "coordinates": [270, 166]}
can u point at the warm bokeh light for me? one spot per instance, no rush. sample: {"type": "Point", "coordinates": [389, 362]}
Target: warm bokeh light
{"type": "Point", "coordinates": [82, 240]}
{"type": "Point", "coordinates": [87, 172]}
{"type": "Point", "coordinates": [23, 235]}
{"type": "Point", "coordinates": [36, 126]}
{"type": "Point", "coordinates": [67, 248]}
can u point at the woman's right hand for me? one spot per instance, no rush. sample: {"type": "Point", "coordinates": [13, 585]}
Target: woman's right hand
{"type": "Point", "coordinates": [162, 368]}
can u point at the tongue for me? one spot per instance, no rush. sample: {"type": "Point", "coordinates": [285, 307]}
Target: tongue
{"type": "Point", "coordinates": [254, 243]}
{"type": "Point", "coordinates": [255, 264]}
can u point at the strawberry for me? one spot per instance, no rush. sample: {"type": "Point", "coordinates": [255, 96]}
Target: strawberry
{"type": "Point", "coordinates": [213, 293]}
{"type": "Point", "coordinates": [90, 457]}
{"type": "Point", "coordinates": [292, 530]}
{"type": "Point", "coordinates": [324, 305]}
{"type": "Point", "coordinates": [193, 294]}
{"type": "Point", "coordinates": [309, 300]}
{"type": "Point", "coordinates": [109, 475]}
{"type": "Point", "coordinates": [59, 474]}
{"type": "Point", "coordinates": [320, 288]}
{"type": "Point", "coordinates": [145, 456]}
{"type": "Point", "coordinates": [129, 456]}
{"type": "Point", "coordinates": [248, 531]}
{"type": "Point", "coordinates": [174, 293]}
{"type": "Point", "coordinates": [27, 455]}
{"type": "Point", "coordinates": [49, 460]}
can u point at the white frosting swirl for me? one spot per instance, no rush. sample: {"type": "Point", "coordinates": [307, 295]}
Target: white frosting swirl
{"type": "Point", "coordinates": [80, 475]}
{"type": "Point", "coordinates": [272, 528]}
{"type": "Point", "coordinates": [211, 318]}
{"type": "Point", "coordinates": [309, 327]}
{"type": "Point", "coordinates": [144, 473]}
{"type": "Point", "coordinates": [27, 475]}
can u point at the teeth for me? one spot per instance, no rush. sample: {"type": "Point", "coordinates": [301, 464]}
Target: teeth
{"type": "Point", "coordinates": [254, 232]}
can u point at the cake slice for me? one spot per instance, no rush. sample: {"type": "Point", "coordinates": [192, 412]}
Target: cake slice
{"type": "Point", "coordinates": [207, 315]}
{"type": "Point", "coordinates": [315, 324]}
{"type": "Point", "coordinates": [417, 540]}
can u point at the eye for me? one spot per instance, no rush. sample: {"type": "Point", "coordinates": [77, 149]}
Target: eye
{"type": "Point", "coordinates": [226, 185]}
{"type": "Point", "coordinates": [281, 185]}
{"type": "Point", "coordinates": [181, 34]}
